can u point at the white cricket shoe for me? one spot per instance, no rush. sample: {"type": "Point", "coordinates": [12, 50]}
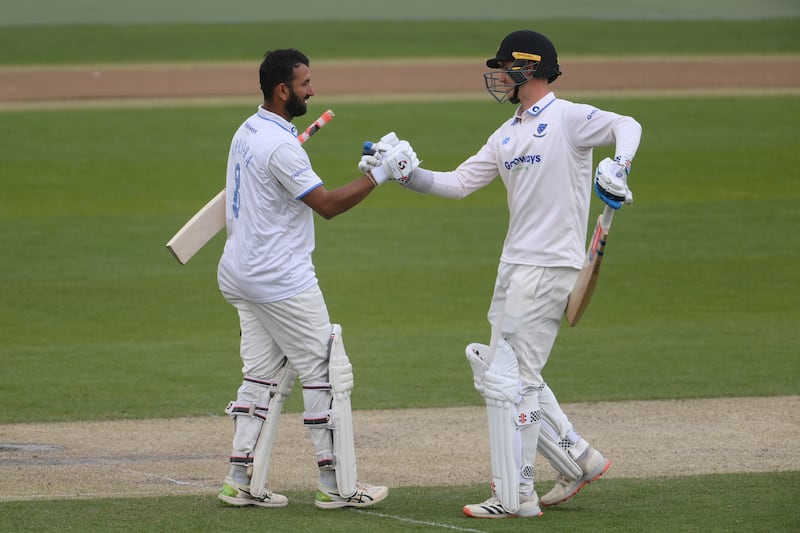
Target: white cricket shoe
{"type": "Point", "coordinates": [365, 496]}
{"type": "Point", "coordinates": [233, 493]}
{"type": "Point", "coordinates": [593, 465]}
{"type": "Point", "coordinates": [492, 508]}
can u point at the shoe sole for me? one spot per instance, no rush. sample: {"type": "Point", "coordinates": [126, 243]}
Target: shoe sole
{"type": "Point", "coordinates": [340, 505]}
{"type": "Point", "coordinates": [241, 502]}
{"type": "Point", "coordinates": [468, 513]}
{"type": "Point", "coordinates": [577, 490]}
{"type": "Point", "coordinates": [498, 512]}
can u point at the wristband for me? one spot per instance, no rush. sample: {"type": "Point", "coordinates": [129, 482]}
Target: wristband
{"type": "Point", "coordinates": [379, 174]}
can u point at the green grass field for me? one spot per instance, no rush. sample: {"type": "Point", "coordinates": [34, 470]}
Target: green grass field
{"type": "Point", "coordinates": [699, 295]}
{"type": "Point", "coordinates": [324, 40]}
{"type": "Point", "coordinates": [714, 504]}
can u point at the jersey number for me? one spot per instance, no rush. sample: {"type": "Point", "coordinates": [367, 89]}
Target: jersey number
{"type": "Point", "coordinates": [236, 198]}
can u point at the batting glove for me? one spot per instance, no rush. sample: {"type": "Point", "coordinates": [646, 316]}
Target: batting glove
{"type": "Point", "coordinates": [611, 182]}
{"type": "Point", "coordinates": [397, 164]}
{"type": "Point", "coordinates": [373, 152]}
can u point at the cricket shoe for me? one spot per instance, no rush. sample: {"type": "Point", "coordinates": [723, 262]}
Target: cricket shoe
{"type": "Point", "coordinates": [364, 496]}
{"type": "Point", "coordinates": [593, 465]}
{"type": "Point", "coordinates": [233, 493]}
{"type": "Point", "coordinates": [492, 508]}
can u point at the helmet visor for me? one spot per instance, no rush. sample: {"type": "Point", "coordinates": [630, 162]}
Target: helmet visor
{"type": "Point", "coordinates": [502, 84]}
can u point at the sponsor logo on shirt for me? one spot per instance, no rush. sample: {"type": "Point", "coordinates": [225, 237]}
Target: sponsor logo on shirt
{"type": "Point", "coordinates": [523, 159]}
{"type": "Point", "coordinates": [250, 128]}
{"type": "Point", "coordinates": [590, 115]}
{"type": "Point", "coordinates": [300, 172]}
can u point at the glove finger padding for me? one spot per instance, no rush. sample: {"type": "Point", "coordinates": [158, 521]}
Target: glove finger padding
{"type": "Point", "coordinates": [390, 139]}
{"type": "Point", "coordinates": [368, 162]}
{"type": "Point", "coordinates": [611, 183]}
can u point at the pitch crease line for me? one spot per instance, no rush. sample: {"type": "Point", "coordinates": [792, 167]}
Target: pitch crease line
{"type": "Point", "coordinates": [418, 522]}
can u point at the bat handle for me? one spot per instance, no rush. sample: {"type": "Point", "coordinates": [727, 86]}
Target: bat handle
{"type": "Point", "coordinates": [368, 149]}
{"type": "Point", "coordinates": [607, 217]}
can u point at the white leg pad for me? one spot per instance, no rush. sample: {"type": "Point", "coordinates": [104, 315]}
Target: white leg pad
{"type": "Point", "coordinates": [340, 374]}
{"type": "Point", "coordinates": [269, 429]}
{"type": "Point", "coordinates": [558, 442]}
{"type": "Point", "coordinates": [478, 356]}
{"type": "Point", "coordinates": [562, 451]}
{"type": "Point", "coordinates": [502, 394]}
{"type": "Point", "coordinates": [528, 421]}
{"type": "Point", "coordinates": [504, 451]}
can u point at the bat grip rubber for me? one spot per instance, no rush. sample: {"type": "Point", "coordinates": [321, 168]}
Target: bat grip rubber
{"type": "Point", "coordinates": [607, 217]}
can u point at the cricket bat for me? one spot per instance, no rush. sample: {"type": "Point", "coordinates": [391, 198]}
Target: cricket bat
{"type": "Point", "coordinates": [587, 279]}
{"type": "Point", "coordinates": [210, 220]}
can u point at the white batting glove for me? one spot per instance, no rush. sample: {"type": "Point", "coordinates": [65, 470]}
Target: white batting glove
{"type": "Point", "coordinates": [397, 164]}
{"type": "Point", "coordinates": [389, 140]}
{"type": "Point", "coordinates": [368, 162]}
{"type": "Point", "coordinates": [373, 152]}
{"type": "Point", "coordinates": [611, 182]}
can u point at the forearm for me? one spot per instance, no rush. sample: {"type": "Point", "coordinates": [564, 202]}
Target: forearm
{"type": "Point", "coordinates": [329, 204]}
{"type": "Point", "coordinates": [628, 134]}
{"type": "Point", "coordinates": [444, 184]}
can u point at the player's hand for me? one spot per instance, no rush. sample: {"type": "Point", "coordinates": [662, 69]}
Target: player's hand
{"type": "Point", "coordinates": [368, 162]}
{"type": "Point", "coordinates": [389, 158]}
{"type": "Point", "coordinates": [396, 164]}
{"type": "Point", "coordinates": [373, 152]}
{"type": "Point", "coordinates": [611, 182]}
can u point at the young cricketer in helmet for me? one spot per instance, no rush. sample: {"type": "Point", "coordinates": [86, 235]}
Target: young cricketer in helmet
{"type": "Point", "coordinates": [543, 155]}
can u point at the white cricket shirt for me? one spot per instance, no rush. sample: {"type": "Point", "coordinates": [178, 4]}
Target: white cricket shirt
{"type": "Point", "coordinates": [544, 157]}
{"type": "Point", "coordinates": [270, 230]}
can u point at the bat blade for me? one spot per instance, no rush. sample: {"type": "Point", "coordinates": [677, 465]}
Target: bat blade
{"type": "Point", "coordinates": [210, 220]}
{"type": "Point", "coordinates": [584, 287]}
{"type": "Point", "coordinates": [200, 229]}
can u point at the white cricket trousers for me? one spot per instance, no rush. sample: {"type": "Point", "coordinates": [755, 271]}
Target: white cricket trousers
{"type": "Point", "coordinates": [296, 329]}
{"type": "Point", "coordinates": [527, 309]}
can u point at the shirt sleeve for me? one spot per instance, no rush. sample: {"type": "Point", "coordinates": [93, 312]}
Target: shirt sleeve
{"type": "Point", "coordinates": [591, 127]}
{"type": "Point", "coordinates": [292, 168]}
{"type": "Point", "coordinates": [473, 174]}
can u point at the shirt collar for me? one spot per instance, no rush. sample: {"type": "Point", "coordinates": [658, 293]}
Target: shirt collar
{"type": "Point", "coordinates": [542, 104]}
{"type": "Point", "coordinates": [536, 108]}
{"type": "Point", "coordinates": [277, 119]}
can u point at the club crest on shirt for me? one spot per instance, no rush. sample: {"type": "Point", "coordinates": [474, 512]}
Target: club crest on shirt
{"type": "Point", "coordinates": [540, 130]}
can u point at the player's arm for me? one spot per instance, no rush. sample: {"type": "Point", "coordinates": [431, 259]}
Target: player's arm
{"type": "Point", "coordinates": [396, 162]}
{"type": "Point", "coordinates": [474, 173]}
{"type": "Point", "coordinates": [328, 204]}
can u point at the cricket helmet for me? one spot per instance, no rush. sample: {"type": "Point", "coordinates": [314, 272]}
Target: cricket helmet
{"type": "Point", "coordinates": [523, 46]}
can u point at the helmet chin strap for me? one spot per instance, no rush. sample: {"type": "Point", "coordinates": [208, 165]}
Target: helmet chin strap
{"type": "Point", "coordinates": [514, 98]}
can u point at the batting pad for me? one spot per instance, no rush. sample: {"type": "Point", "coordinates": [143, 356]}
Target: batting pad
{"type": "Point", "coordinates": [502, 394]}
{"type": "Point", "coordinates": [269, 430]}
{"type": "Point", "coordinates": [504, 448]}
{"type": "Point", "coordinates": [340, 373]}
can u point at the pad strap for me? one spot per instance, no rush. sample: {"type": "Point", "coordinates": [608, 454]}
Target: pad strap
{"type": "Point", "coordinates": [243, 408]}
{"type": "Point", "coordinates": [562, 452]}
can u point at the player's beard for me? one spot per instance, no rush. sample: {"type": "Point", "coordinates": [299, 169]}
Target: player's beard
{"type": "Point", "coordinates": [296, 106]}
